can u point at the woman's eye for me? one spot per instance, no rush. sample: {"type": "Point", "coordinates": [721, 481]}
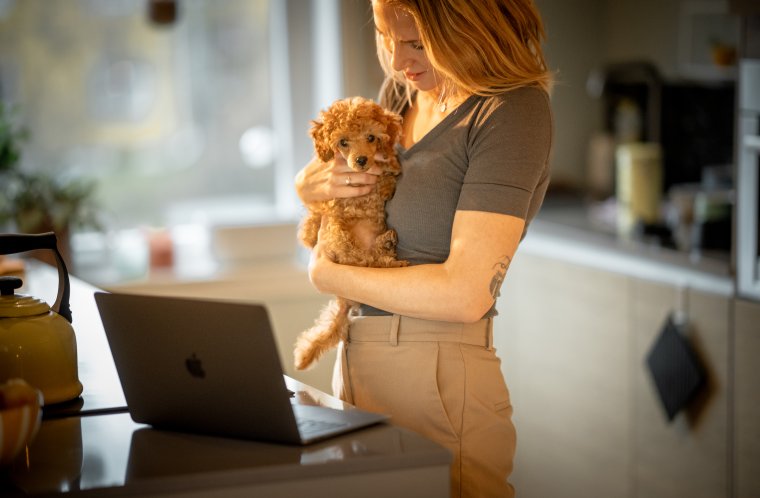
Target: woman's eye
{"type": "Point", "coordinates": [370, 138]}
{"type": "Point", "coordinates": [343, 142]}
{"type": "Point", "coordinates": [416, 45]}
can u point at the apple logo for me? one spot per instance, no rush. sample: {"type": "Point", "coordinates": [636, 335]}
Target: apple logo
{"type": "Point", "coordinates": [195, 367]}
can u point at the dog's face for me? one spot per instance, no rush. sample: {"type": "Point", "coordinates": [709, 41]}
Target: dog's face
{"type": "Point", "coordinates": [358, 129]}
{"type": "Point", "coordinates": [359, 144]}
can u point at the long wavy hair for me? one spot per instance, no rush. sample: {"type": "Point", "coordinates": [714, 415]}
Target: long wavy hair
{"type": "Point", "coordinates": [481, 47]}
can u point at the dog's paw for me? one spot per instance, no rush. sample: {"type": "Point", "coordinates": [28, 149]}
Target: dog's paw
{"type": "Point", "coordinates": [395, 263]}
{"type": "Point", "coordinates": [387, 240]}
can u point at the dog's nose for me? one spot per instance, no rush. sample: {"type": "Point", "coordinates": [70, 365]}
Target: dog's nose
{"type": "Point", "coordinates": [361, 160]}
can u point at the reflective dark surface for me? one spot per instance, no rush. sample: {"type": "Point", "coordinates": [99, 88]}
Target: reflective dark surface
{"type": "Point", "coordinates": [104, 451]}
{"type": "Point", "coordinates": [92, 443]}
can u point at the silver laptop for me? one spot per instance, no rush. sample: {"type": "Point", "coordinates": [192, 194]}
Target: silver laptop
{"type": "Point", "coordinates": [211, 367]}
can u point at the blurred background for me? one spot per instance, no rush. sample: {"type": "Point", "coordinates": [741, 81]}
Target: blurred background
{"type": "Point", "coordinates": [190, 115]}
{"type": "Point", "coordinates": [160, 139]}
{"type": "Point", "coordinates": [178, 114]}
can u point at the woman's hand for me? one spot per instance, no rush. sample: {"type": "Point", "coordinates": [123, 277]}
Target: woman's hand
{"type": "Point", "coordinates": [319, 181]}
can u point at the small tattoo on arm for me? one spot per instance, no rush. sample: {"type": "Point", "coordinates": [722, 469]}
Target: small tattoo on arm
{"type": "Point", "coordinates": [498, 277]}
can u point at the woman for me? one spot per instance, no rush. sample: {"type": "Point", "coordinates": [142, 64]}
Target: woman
{"type": "Point", "coordinates": [470, 80]}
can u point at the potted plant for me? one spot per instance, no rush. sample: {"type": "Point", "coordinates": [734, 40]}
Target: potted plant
{"type": "Point", "coordinates": [40, 201]}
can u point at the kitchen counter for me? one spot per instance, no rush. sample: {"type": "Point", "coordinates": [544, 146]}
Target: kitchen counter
{"type": "Point", "coordinates": [91, 446]}
{"type": "Point", "coordinates": [564, 231]}
{"type": "Point", "coordinates": [109, 454]}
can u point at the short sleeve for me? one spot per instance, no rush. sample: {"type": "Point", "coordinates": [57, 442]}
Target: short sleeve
{"type": "Point", "coordinates": [508, 154]}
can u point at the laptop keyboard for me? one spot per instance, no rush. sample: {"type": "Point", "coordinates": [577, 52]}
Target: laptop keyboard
{"type": "Point", "coordinates": [312, 426]}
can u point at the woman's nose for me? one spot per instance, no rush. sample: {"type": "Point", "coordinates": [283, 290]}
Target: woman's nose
{"type": "Point", "coordinates": [399, 58]}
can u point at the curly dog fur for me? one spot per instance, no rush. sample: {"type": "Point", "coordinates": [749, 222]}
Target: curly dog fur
{"type": "Point", "coordinates": [358, 129]}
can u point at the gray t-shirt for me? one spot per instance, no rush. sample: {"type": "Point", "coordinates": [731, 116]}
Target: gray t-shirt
{"type": "Point", "coordinates": [490, 154]}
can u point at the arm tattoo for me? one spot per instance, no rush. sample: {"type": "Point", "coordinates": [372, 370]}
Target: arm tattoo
{"type": "Point", "coordinates": [498, 277]}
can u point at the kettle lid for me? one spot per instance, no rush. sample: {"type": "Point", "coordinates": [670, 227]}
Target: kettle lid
{"type": "Point", "coordinates": [17, 305]}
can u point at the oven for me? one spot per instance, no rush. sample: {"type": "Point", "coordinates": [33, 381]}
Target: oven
{"type": "Point", "coordinates": [748, 180]}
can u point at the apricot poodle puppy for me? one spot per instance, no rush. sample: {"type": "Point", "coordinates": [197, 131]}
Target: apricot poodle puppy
{"type": "Point", "coordinates": [362, 132]}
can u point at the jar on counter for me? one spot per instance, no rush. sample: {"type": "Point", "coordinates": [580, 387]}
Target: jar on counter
{"type": "Point", "coordinates": [638, 185]}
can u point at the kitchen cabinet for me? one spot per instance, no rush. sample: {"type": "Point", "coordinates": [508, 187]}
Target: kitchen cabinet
{"type": "Point", "coordinates": [747, 394]}
{"type": "Point", "coordinates": [573, 339]}
{"type": "Point", "coordinates": [562, 334]}
{"type": "Point", "coordinates": [688, 456]}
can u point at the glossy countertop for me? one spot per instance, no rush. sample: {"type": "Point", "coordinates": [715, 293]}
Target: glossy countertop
{"type": "Point", "coordinates": [111, 453]}
{"type": "Point", "coordinates": [91, 444]}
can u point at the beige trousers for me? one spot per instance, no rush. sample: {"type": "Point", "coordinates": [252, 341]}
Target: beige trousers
{"type": "Point", "coordinates": [442, 380]}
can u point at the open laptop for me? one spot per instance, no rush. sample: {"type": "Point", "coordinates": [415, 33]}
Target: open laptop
{"type": "Point", "coordinates": [211, 367]}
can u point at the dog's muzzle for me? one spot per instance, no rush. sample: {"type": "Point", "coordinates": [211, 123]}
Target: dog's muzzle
{"type": "Point", "coordinates": [361, 161]}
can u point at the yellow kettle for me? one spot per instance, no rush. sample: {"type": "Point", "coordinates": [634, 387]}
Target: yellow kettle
{"type": "Point", "coordinates": [37, 342]}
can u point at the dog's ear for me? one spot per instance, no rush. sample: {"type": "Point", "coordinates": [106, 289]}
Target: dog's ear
{"type": "Point", "coordinates": [392, 134]}
{"type": "Point", "coordinates": [392, 124]}
{"type": "Point", "coordinates": [320, 136]}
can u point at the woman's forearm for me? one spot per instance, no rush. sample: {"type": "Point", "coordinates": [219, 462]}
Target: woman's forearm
{"type": "Point", "coordinates": [461, 289]}
{"type": "Point", "coordinates": [431, 292]}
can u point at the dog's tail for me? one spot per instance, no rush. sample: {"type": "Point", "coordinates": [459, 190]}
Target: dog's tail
{"type": "Point", "coordinates": [328, 330]}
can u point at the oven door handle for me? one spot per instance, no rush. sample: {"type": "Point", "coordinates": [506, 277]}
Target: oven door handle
{"type": "Point", "coordinates": [751, 143]}
{"type": "Point", "coordinates": [747, 247]}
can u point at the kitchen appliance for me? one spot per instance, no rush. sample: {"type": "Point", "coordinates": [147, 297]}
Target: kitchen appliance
{"type": "Point", "coordinates": [748, 180]}
{"type": "Point", "coordinates": [693, 122]}
{"type": "Point", "coordinates": [632, 96]}
{"type": "Point", "coordinates": [630, 93]}
{"type": "Point", "coordinates": [746, 237]}
{"type": "Point", "coordinates": [698, 125]}
{"type": "Point", "coordinates": [37, 342]}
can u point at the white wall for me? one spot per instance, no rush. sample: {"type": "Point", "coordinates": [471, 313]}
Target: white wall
{"type": "Point", "coordinates": [575, 39]}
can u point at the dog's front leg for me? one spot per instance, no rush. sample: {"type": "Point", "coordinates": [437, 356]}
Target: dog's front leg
{"type": "Point", "coordinates": [309, 229]}
{"type": "Point", "coordinates": [364, 232]}
{"type": "Point", "coordinates": [384, 250]}
{"type": "Point", "coordinates": [340, 243]}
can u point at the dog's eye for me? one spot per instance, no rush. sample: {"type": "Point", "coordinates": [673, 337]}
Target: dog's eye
{"type": "Point", "coordinates": [370, 138]}
{"type": "Point", "coordinates": [343, 142]}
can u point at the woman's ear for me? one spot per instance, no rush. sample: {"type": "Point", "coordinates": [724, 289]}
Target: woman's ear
{"type": "Point", "coordinates": [321, 140]}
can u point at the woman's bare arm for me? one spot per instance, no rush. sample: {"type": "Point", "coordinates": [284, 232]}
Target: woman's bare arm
{"type": "Point", "coordinates": [461, 289]}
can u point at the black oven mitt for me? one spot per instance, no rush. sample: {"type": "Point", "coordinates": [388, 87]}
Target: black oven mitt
{"type": "Point", "coordinates": [676, 369]}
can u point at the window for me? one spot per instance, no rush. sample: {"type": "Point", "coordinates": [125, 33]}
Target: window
{"type": "Point", "coordinates": [201, 121]}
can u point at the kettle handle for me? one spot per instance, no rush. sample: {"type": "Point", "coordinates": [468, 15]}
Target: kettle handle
{"type": "Point", "coordinates": [11, 243]}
